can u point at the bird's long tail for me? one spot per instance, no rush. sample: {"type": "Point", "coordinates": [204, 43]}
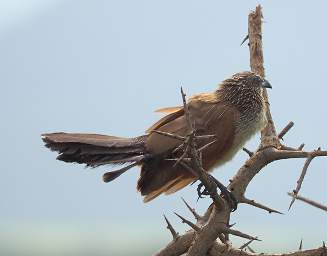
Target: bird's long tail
{"type": "Point", "coordinates": [95, 150]}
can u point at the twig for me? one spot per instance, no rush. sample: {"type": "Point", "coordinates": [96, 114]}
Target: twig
{"type": "Point", "coordinates": [285, 130]}
{"type": "Point", "coordinates": [301, 178]}
{"type": "Point", "coordinates": [308, 201]}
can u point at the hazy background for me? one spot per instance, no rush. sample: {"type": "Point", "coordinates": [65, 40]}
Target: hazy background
{"type": "Point", "coordinates": [103, 67]}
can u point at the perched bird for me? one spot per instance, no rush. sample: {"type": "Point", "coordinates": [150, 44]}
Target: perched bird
{"type": "Point", "coordinates": [232, 113]}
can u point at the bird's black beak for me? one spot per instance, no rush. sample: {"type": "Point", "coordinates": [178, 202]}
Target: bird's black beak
{"type": "Point", "coordinates": [266, 84]}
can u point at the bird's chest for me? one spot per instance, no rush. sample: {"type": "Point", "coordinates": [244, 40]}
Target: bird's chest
{"type": "Point", "coordinates": [245, 129]}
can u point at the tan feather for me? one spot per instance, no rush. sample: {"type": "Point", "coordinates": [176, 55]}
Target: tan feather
{"type": "Point", "coordinates": [168, 110]}
{"type": "Point", "coordinates": [155, 193]}
{"type": "Point", "coordinates": [178, 185]}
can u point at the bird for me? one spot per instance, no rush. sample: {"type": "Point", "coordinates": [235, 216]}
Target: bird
{"type": "Point", "coordinates": [230, 115]}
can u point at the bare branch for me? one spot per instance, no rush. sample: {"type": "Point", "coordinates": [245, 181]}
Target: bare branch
{"type": "Point", "coordinates": [285, 130]}
{"type": "Point", "coordinates": [268, 134]}
{"type": "Point", "coordinates": [301, 178]}
{"type": "Point", "coordinates": [308, 201]}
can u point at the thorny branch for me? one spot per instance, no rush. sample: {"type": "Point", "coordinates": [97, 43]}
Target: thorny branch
{"type": "Point", "coordinates": [202, 238]}
{"type": "Point", "coordinates": [308, 201]}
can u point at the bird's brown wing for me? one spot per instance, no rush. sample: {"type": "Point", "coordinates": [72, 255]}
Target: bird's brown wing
{"type": "Point", "coordinates": [166, 119]}
{"type": "Point", "coordinates": [210, 118]}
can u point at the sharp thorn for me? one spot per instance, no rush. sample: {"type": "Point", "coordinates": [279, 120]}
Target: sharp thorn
{"type": "Point", "coordinates": [240, 234]}
{"type": "Point", "coordinates": [300, 246]}
{"type": "Point", "coordinates": [301, 146]}
{"type": "Point", "coordinates": [192, 210]}
{"type": "Point", "coordinates": [244, 40]}
{"type": "Point", "coordinates": [250, 153]}
{"type": "Point", "coordinates": [195, 227]}
{"type": "Point", "coordinates": [250, 249]}
{"type": "Point", "coordinates": [171, 229]}
{"type": "Point", "coordinates": [245, 245]}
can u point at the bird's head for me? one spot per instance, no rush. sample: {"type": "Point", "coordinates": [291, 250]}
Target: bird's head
{"type": "Point", "coordinates": [245, 80]}
{"type": "Point", "coordinates": [244, 91]}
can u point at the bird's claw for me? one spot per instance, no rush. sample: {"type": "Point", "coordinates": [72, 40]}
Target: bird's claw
{"type": "Point", "coordinates": [225, 193]}
{"type": "Point", "coordinates": [202, 193]}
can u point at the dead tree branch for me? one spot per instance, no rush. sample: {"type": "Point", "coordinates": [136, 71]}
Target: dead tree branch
{"type": "Point", "coordinates": [202, 239]}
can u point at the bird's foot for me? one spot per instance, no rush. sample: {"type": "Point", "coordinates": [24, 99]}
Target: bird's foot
{"type": "Point", "coordinates": [225, 193]}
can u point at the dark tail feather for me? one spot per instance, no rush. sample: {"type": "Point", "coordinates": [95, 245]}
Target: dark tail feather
{"type": "Point", "coordinates": [110, 176]}
{"type": "Point", "coordinates": [162, 176]}
{"type": "Point", "coordinates": [95, 150]}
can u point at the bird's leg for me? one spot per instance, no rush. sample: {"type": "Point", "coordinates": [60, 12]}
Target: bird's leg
{"type": "Point", "coordinates": [224, 192]}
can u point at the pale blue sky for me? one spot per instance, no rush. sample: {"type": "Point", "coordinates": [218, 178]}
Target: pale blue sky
{"type": "Point", "coordinates": [103, 67]}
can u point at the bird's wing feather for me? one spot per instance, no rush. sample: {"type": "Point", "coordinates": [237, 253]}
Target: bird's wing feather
{"type": "Point", "coordinates": [166, 119]}
{"type": "Point", "coordinates": [210, 118]}
{"type": "Point", "coordinates": [168, 110]}
{"type": "Point", "coordinates": [215, 118]}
